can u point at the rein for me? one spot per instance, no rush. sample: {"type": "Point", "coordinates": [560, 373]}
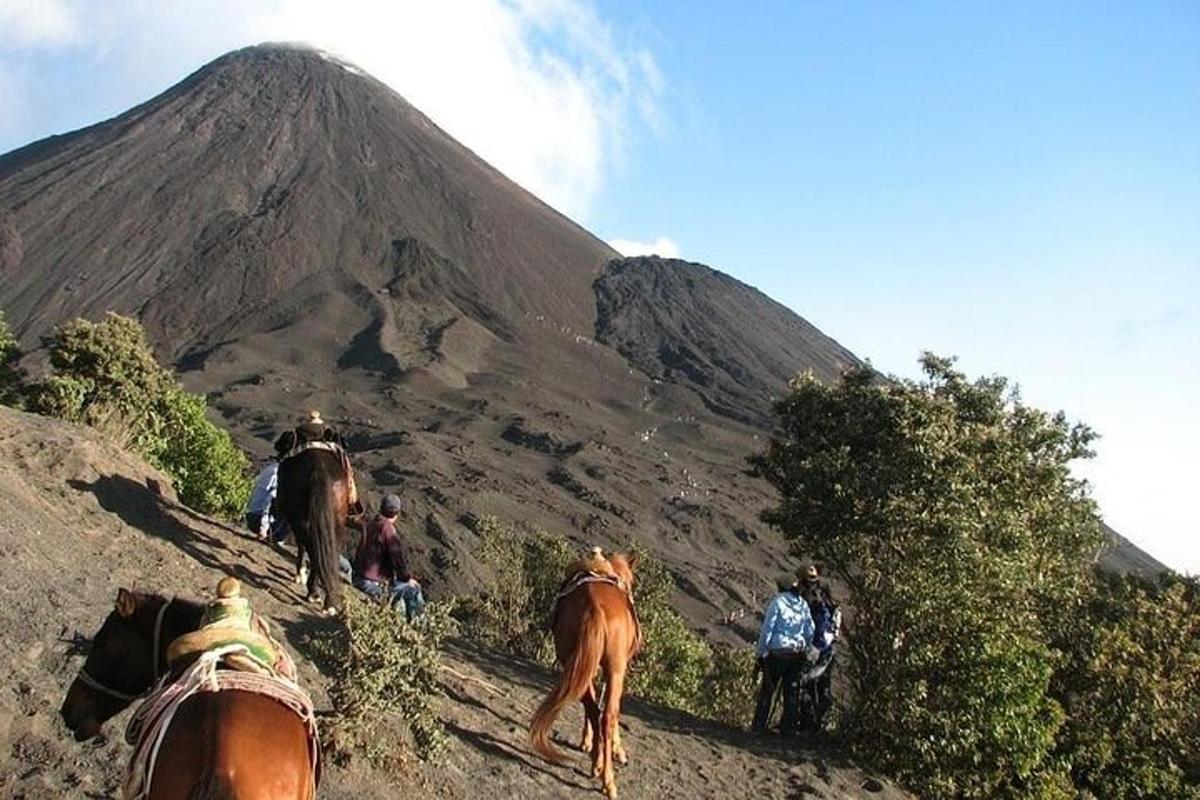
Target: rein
{"type": "Point", "coordinates": [86, 679]}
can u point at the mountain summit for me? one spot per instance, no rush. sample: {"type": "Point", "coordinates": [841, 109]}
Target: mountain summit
{"type": "Point", "coordinates": [294, 235]}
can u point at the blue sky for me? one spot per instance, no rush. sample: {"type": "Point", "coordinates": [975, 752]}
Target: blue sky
{"type": "Point", "coordinates": [1016, 184]}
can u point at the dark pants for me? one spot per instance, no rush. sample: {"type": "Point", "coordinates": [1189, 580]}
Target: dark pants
{"type": "Point", "coordinates": [781, 670]}
{"type": "Point", "coordinates": [818, 692]}
{"type": "Point", "coordinates": [277, 527]}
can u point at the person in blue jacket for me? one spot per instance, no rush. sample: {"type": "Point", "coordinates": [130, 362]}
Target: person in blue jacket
{"type": "Point", "coordinates": [784, 653]}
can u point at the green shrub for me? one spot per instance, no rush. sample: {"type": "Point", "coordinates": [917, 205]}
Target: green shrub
{"type": "Point", "coordinates": [948, 508]}
{"type": "Point", "coordinates": [1130, 688]}
{"type": "Point", "coordinates": [383, 680]}
{"type": "Point", "coordinates": [679, 668]}
{"type": "Point", "coordinates": [105, 376]}
{"type": "Point", "coordinates": [11, 376]}
{"type": "Point", "coordinates": [527, 571]}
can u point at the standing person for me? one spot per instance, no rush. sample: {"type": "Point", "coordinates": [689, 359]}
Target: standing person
{"type": "Point", "coordinates": [259, 519]}
{"type": "Point", "coordinates": [827, 626]}
{"type": "Point", "coordinates": [380, 569]}
{"type": "Point", "coordinates": [783, 652]}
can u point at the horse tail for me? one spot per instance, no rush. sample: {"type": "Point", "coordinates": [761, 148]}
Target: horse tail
{"type": "Point", "coordinates": [576, 677]}
{"type": "Point", "coordinates": [324, 527]}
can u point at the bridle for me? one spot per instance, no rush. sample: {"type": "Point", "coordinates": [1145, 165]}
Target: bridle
{"type": "Point", "coordinates": [87, 680]}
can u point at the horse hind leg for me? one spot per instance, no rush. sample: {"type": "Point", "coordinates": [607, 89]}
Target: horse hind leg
{"type": "Point", "coordinates": [301, 578]}
{"type": "Point", "coordinates": [609, 723]}
{"type": "Point", "coordinates": [591, 718]}
{"type": "Point", "coordinates": [619, 753]}
{"type": "Point", "coordinates": [591, 740]}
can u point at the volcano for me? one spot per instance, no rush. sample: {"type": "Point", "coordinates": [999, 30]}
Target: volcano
{"type": "Point", "coordinates": [293, 234]}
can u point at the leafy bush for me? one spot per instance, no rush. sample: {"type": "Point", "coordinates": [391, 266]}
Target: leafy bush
{"type": "Point", "coordinates": [948, 509]}
{"type": "Point", "coordinates": [677, 668]}
{"type": "Point", "coordinates": [384, 677]}
{"type": "Point", "coordinates": [527, 572]}
{"type": "Point", "coordinates": [105, 375]}
{"type": "Point", "coordinates": [1130, 689]}
{"type": "Point", "coordinates": [11, 377]}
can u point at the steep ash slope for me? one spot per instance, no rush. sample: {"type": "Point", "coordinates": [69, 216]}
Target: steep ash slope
{"type": "Point", "coordinates": [689, 324]}
{"type": "Point", "coordinates": [268, 169]}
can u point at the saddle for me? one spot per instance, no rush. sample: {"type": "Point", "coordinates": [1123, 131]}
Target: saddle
{"type": "Point", "coordinates": [595, 568]}
{"type": "Point", "coordinates": [307, 437]}
{"type": "Point", "coordinates": [229, 621]}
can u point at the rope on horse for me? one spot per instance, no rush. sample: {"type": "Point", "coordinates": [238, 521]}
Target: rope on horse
{"type": "Point", "coordinates": [149, 724]}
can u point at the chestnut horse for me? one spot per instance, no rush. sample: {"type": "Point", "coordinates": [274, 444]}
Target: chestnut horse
{"type": "Point", "coordinates": [227, 744]}
{"type": "Point", "coordinates": [595, 627]}
{"type": "Point", "coordinates": [314, 496]}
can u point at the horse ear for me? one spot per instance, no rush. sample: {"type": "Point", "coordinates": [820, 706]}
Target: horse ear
{"type": "Point", "coordinates": [126, 602]}
{"type": "Point", "coordinates": [632, 559]}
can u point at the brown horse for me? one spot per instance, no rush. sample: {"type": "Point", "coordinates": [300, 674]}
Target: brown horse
{"type": "Point", "coordinates": [314, 496]}
{"type": "Point", "coordinates": [227, 744]}
{"type": "Point", "coordinates": [595, 628]}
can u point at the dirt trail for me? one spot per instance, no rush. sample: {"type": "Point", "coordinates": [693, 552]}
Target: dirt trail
{"type": "Point", "coordinates": [79, 518]}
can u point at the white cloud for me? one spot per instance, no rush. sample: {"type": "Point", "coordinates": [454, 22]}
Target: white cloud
{"type": "Point", "coordinates": [662, 246]}
{"type": "Point", "coordinates": [542, 89]}
{"type": "Point", "coordinates": [37, 23]}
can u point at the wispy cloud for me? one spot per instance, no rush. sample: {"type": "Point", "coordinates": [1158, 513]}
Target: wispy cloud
{"type": "Point", "coordinates": [662, 246]}
{"type": "Point", "coordinates": [545, 90]}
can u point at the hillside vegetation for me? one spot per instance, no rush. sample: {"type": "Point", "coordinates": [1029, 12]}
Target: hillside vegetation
{"type": "Point", "coordinates": [987, 657]}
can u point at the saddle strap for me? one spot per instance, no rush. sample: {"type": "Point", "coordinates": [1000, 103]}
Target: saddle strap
{"type": "Point", "coordinates": [331, 447]}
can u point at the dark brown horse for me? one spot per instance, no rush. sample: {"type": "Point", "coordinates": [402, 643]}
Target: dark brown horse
{"type": "Point", "coordinates": [227, 744]}
{"type": "Point", "coordinates": [314, 496]}
{"type": "Point", "coordinates": [595, 627]}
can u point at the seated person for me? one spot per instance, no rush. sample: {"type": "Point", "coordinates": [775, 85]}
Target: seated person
{"type": "Point", "coordinates": [379, 568]}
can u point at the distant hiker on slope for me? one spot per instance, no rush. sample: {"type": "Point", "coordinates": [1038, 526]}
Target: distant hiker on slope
{"type": "Point", "coordinates": [379, 567]}
{"type": "Point", "coordinates": [784, 655]}
{"type": "Point", "coordinates": [827, 624]}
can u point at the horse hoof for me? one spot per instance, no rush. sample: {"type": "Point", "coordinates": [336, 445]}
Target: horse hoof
{"type": "Point", "coordinates": [330, 612]}
{"type": "Point", "coordinates": [621, 758]}
{"type": "Point", "coordinates": [302, 576]}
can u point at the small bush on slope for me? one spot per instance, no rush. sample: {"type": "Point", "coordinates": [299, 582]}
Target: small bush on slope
{"type": "Point", "coordinates": [527, 571]}
{"type": "Point", "coordinates": [105, 375]}
{"type": "Point", "coordinates": [11, 377]}
{"type": "Point", "coordinates": [384, 676]}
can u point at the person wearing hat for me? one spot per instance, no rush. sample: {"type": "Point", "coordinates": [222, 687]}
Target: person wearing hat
{"type": "Point", "coordinates": [784, 652]}
{"type": "Point", "coordinates": [817, 686]}
{"type": "Point", "coordinates": [379, 567]}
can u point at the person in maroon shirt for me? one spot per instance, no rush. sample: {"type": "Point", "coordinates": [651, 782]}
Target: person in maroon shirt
{"type": "Point", "coordinates": [380, 568]}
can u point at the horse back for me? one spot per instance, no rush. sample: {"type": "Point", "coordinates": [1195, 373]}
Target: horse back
{"type": "Point", "coordinates": [234, 745]}
{"type": "Point", "coordinates": [597, 603]}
